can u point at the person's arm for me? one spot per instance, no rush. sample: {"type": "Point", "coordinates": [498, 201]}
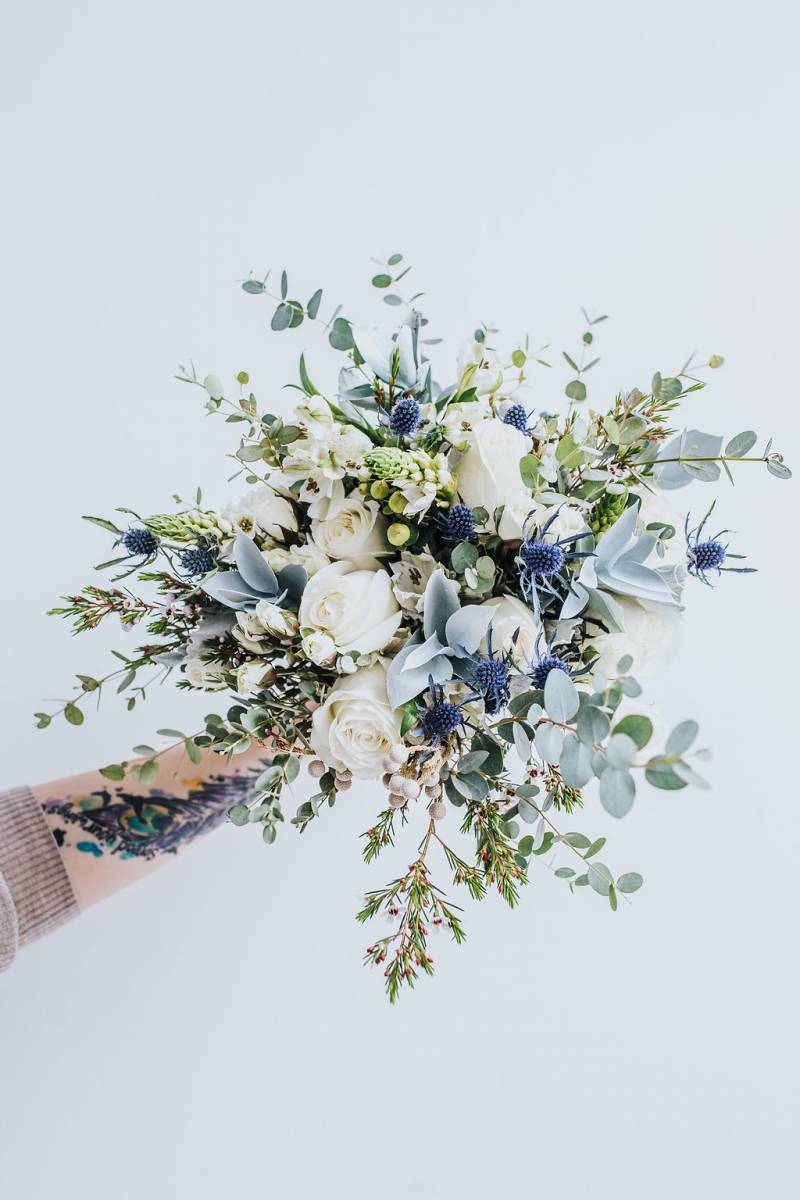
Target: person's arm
{"type": "Point", "coordinates": [65, 845]}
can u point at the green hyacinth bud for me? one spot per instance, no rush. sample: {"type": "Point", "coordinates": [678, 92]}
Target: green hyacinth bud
{"type": "Point", "coordinates": [609, 508]}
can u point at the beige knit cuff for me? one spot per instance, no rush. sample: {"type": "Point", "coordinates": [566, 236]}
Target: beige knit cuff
{"type": "Point", "coordinates": [35, 892]}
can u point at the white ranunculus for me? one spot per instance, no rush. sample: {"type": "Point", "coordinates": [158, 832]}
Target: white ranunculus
{"type": "Point", "coordinates": [276, 620]}
{"type": "Point", "coordinates": [355, 532]}
{"type": "Point", "coordinates": [356, 726]}
{"type": "Point", "coordinates": [319, 648]}
{"type": "Point", "coordinates": [249, 676]}
{"type": "Point", "coordinates": [513, 614]}
{"type": "Point", "coordinates": [489, 470]}
{"type": "Point", "coordinates": [355, 607]}
{"type": "Point", "coordinates": [651, 636]}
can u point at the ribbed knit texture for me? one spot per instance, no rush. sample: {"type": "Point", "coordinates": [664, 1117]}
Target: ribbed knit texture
{"type": "Point", "coordinates": [35, 892]}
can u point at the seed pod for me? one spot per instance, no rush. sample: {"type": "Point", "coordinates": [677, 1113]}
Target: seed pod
{"type": "Point", "coordinates": [396, 801]}
{"type": "Point", "coordinates": [437, 810]}
{"type": "Point", "coordinates": [316, 768]}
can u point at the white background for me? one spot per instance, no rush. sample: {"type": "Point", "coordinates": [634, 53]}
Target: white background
{"type": "Point", "coordinates": [212, 1032]}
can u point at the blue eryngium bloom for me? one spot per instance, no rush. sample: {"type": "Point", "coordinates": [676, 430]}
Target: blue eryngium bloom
{"type": "Point", "coordinates": [254, 580]}
{"type": "Point", "coordinates": [708, 554]}
{"type": "Point", "coordinates": [490, 676]}
{"type": "Point", "coordinates": [541, 563]}
{"type": "Point", "coordinates": [544, 661]}
{"type": "Point", "coordinates": [441, 717]}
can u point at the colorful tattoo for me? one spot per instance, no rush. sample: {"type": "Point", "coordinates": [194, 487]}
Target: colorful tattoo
{"type": "Point", "coordinates": [148, 825]}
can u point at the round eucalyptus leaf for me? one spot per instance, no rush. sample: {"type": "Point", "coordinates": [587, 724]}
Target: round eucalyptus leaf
{"type": "Point", "coordinates": [593, 725]}
{"type": "Point", "coordinates": [575, 763]}
{"type": "Point", "coordinates": [638, 728]}
{"type": "Point", "coordinates": [682, 737]}
{"type": "Point", "coordinates": [630, 882]}
{"type": "Point", "coordinates": [549, 740]}
{"type": "Point", "coordinates": [617, 791]}
{"type": "Point", "coordinates": [600, 878]}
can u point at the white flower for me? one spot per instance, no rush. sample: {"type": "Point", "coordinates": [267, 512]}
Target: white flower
{"type": "Point", "coordinates": [355, 727]}
{"type": "Point", "coordinates": [520, 508]}
{"type": "Point", "coordinates": [654, 507]}
{"type": "Point", "coordinates": [280, 621]}
{"type": "Point", "coordinates": [249, 632]}
{"type": "Point", "coordinates": [355, 532]}
{"type": "Point", "coordinates": [249, 676]}
{"type": "Point", "coordinates": [411, 574]}
{"type": "Point", "coordinates": [512, 615]}
{"type": "Point", "coordinates": [319, 648]}
{"type": "Point", "coordinates": [308, 556]}
{"type": "Point", "coordinates": [487, 379]}
{"type": "Point", "coordinates": [459, 420]}
{"type": "Point", "coordinates": [651, 636]}
{"type": "Point", "coordinates": [489, 471]}
{"type": "Point", "coordinates": [262, 509]}
{"type": "Point", "coordinates": [322, 457]}
{"type": "Point", "coordinates": [355, 607]}
{"type": "Point", "coordinates": [206, 675]}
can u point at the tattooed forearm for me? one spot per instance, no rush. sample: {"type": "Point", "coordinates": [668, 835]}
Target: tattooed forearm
{"type": "Point", "coordinates": [146, 825]}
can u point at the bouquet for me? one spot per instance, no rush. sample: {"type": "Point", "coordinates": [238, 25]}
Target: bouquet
{"type": "Point", "coordinates": [445, 588]}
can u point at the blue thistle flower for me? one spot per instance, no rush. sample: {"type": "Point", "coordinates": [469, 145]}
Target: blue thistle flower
{"type": "Point", "coordinates": [541, 562]}
{"type": "Point", "coordinates": [441, 718]}
{"type": "Point", "coordinates": [404, 417]}
{"type": "Point", "coordinates": [709, 554]}
{"type": "Point", "coordinates": [458, 523]}
{"type": "Point", "coordinates": [140, 542]}
{"type": "Point", "coordinates": [491, 680]}
{"type": "Point", "coordinates": [518, 417]}
{"type": "Point", "coordinates": [198, 560]}
{"type": "Point", "coordinates": [543, 663]}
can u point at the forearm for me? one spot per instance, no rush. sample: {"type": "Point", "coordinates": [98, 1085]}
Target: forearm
{"type": "Point", "coordinates": [111, 834]}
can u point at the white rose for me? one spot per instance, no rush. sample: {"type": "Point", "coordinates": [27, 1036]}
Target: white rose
{"type": "Point", "coordinates": [522, 514]}
{"type": "Point", "coordinates": [356, 608]}
{"type": "Point", "coordinates": [202, 674]}
{"type": "Point", "coordinates": [651, 637]}
{"type": "Point", "coordinates": [488, 378]}
{"type": "Point", "coordinates": [355, 727]}
{"type": "Point", "coordinates": [319, 648]}
{"type": "Point", "coordinates": [249, 632]}
{"type": "Point", "coordinates": [309, 556]}
{"type": "Point", "coordinates": [249, 676]}
{"type": "Point", "coordinates": [277, 620]}
{"type": "Point", "coordinates": [655, 507]}
{"type": "Point", "coordinates": [489, 471]}
{"type": "Point", "coordinates": [512, 614]}
{"type": "Point", "coordinates": [355, 531]}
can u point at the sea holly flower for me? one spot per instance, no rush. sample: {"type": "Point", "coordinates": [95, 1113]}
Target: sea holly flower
{"type": "Point", "coordinates": [254, 580]}
{"type": "Point", "coordinates": [542, 563]}
{"type": "Point", "coordinates": [140, 543]}
{"type": "Point", "coordinates": [709, 554]}
{"type": "Point", "coordinates": [441, 717]}
{"type": "Point", "coordinates": [458, 523]}
{"type": "Point", "coordinates": [544, 661]}
{"type": "Point", "coordinates": [491, 674]}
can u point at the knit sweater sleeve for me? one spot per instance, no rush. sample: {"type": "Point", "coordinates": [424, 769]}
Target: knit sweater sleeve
{"type": "Point", "coordinates": [35, 892]}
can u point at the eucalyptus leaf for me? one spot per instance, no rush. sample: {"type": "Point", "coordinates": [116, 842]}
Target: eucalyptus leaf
{"type": "Point", "coordinates": [560, 696]}
{"type": "Point", "coordinates": [682, 737]}
{"type": "Point", "coordinates": [617, 791]}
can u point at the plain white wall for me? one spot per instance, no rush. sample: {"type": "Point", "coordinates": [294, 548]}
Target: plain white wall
{"type": "Point", "coordinates": [213, 1032]}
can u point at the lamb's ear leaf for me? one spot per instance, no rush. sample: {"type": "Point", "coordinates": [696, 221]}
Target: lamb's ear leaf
{"type": "Point", "coordinates": [466, 628]}
{"type": "Point", "coordinates": [230, 589]}
{"type": "Point", "coordinates": [254, 568]}
{"type": "Point", "coordinates": [402, 686]}
{"type": "Point", "coordinates": [423, 654]}
{"type": "Point", "coordinates": [293, 579]}
{"type": "Point", "coordinates": [440, 602]}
